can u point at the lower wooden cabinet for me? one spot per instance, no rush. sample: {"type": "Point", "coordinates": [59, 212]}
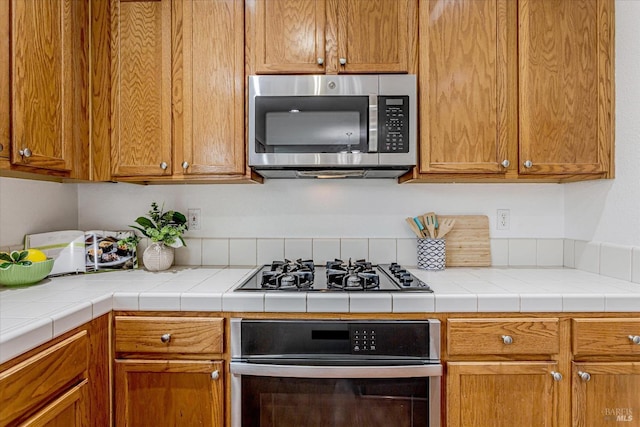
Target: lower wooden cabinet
{"type": "Point", "coordinates": [180, 393]}
{"type": "Point", "coordinates": [606, 393]}
{"type": "Point", "coordinates": [502, 394]}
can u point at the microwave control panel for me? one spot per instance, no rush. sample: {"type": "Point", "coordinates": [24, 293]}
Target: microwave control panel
{"type": "Point", "coordinates": [393, 124]}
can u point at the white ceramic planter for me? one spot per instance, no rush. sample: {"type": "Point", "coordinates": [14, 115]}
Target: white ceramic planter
{"type": "Point", "coordinates": [157, 257]}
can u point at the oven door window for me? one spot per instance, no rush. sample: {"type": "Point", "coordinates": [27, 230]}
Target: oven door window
{"type": "Point", "coordinates": [311, 124]}
{"type": "Point", "coordinates": [301, 402]}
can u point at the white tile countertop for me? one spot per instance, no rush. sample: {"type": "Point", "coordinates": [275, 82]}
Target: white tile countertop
{"type": "Point", "coordinates": [30, 316]}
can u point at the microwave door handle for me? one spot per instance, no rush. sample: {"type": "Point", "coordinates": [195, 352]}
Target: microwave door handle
{"type": "Point", "coordinates": [308, 371]}
{"type": "Point", "coordinates": [373, 123]}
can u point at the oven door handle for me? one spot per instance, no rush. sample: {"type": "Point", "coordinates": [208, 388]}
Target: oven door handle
{"type": "Point", "coordinates": [309, 371]}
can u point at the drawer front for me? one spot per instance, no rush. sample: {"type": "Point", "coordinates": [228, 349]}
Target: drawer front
{"type": "Point", "coordinates": [606, 336]}
{"type": "Point", "coordinates": [502, 336]}
{"type": "Point", "coordinates": [169, 334]}
{"type": "Point", "coordinates": [35, 381]}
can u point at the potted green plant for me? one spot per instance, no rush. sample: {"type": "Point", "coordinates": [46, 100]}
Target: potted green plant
{"type": "Point", "coordinates": [165, 230]}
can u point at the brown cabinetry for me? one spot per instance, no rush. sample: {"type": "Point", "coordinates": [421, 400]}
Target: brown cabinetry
{"type": "Point", "coordinates": [166, 363]}
{"type": "Point", "coordinates": [49, 86]}
{"type": "Point", "coordinates": [177, 90]}
{"type": "Point", "coordinates": [4, 84]}
{"type": "Point", "coordinates": [606, 372]}
{"type": "Point", "coordinates": [497, 367]}
{"type": "Point", "coordinates": [331, 36]}
{"type": "Point", "coordinates": [524, 91]}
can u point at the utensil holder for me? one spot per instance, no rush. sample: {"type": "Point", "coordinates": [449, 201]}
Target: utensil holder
{"type": "Point", "coordinates": [431, 254]}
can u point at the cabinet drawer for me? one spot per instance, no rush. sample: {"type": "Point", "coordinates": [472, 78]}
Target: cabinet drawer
{"type": "Point", "coordinates": [606, 336]}
{"type": "Point", "coordinates": [32, 383]}
{"type": "Point", "coordinates": [502, 336]}
{"type": "Point", "coordinates": [169, 334]}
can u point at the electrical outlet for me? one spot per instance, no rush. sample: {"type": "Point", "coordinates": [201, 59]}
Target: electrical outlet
{"type": "Point", "coordinates": [194, 219]}
{"type": "Point", "coordinates": [504, 219]}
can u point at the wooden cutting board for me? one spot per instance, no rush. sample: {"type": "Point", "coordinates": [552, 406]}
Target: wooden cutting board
{"type": "Point", "coordinates": [468, 242]}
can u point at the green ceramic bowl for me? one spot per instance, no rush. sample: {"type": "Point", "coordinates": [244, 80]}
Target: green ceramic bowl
{"type": "Point", "coordinates": [17, 275]}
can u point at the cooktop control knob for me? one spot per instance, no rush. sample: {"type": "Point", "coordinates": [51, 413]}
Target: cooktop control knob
{"type": "Point", "coordinates": [400, 273]}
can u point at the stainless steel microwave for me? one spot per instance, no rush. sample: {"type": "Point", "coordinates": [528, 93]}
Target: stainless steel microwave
{"type": "Point", "coordinates": [356, 126]}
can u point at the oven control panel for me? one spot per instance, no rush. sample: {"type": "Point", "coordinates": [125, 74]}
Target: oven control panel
{"type": "Point", "coordinates": [364, 339]}
{"type": "Point", "coordinates": [387, 338]}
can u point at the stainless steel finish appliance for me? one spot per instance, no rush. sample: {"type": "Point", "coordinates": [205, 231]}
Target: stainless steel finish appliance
{"type": "Point", "coordinates": [333, 276]}
{"type": "Point", "coordinates": [357, 126]}
{"type": "Point", "coordinates": [338, 373]}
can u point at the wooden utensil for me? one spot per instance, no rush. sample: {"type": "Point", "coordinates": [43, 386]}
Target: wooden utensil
{"type": "Point", "coordinates": [430, 222]}
{"type": "Point", "coordinates": [414, 227]}
{"type": "Point", "coordinates": [445, 226]}
{"type": "Point", "coordinates": [420, 225]}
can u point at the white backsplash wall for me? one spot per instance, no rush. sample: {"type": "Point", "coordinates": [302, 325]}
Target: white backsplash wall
{"type": "Point", "coordinates": [326, 209]}
{"type": "Point", "coordinates": [34, 207]}
{"type": "Point", "coordinates": [609, 211]}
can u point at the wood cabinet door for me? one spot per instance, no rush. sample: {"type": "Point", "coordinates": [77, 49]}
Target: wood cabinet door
{"type": "Point", "coordinates": [69, 410]}
{"type": "Point", "coordinates": [208, 68]}
{"type": "Point", "coordinates": [606, 393]}
{"type": "Point", "coordinates": [4, 79]}
{"type": "Point", "coordinates": [49, 82]}
{"type": "Point", "coordinates": [178, 393]}
{"type": "Point", "coordinates": [289, 36]}
{"type": "Point", "coordinates": [467, 98]}
{"type": "Point", "coordinates": [566, 97]}
{"type": "Point", "coordinates": [373, 36]}
{"type": "Point", "coordinates": [501, 394]}
{"type": "Point", "coordinates": [141, 88]}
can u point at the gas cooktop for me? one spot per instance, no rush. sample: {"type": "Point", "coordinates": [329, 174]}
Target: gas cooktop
{"type": "Point", "coordinates": [333, 276]}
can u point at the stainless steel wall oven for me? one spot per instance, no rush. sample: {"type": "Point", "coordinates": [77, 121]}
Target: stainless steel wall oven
{"type": "Point", "coordinates": [335, 373]}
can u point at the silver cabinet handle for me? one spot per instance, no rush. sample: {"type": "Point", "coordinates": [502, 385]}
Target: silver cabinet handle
{"type": "Point", "coordinates": [320, 61]}
{"type": "Point", "coordinates": [1, 148]}
{"type": "Point", "coordinates": [164, 166]}
{"type": "Point", "coordinates": [505, 163]}
{"type": "Point", "coordinates": [584, 376]}
{"type": "Point", "coordinates": [185, 165]}
{"type": "Point", "coordinates": [528, 164]}
{"type": "Point", "coordinates": [635, 339]}
{"type": "Point", "coordinates": [507, 339]}
{"type": "Point", "coordinates": [215, 375]}
{"type": "Point", "coordinates": [556, 375]}
{"type": "Point", "coordinates": [343, 61]}
{"type": "Point", "coordinates": [165, 338]}
{"type": "Point", "coordinates": [25, 152]}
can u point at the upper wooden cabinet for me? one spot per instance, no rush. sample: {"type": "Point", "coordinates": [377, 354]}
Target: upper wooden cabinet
{"type": "Point", "coordinates": [516, 90]}
{"type": "Point", "coordinates": [565, 89]}
{"type": "Point", "coordinates": [177, 90]}
{"type": "Point", "coordinates": [49, 86]}
{"type": "Point", "coordinates": [331, 36]}
{"type": "Point", "coordinates": [467, 106]}
{"type": "Point", "coordinates": [4, 81]}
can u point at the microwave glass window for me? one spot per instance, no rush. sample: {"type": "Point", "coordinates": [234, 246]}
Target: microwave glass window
{"type": "Point", "coordinates": [318, 124]}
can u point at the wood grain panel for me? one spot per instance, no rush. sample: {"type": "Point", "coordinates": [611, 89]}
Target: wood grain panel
{"type": "Point", "coordinates": [467, 111]}
{"type": "Point", "coordinates": [374, 35]}
{"type": "Point", "coordinates": [501, 394]}
{"type": "Point", "coordinates": [66, 411]}
{"type": "Point", "coordinates": [484, 336]}
{"type": "Point", "coordinates": [141, 87]}
{"type": "Point", "coordinates": [33, 382]}
{"type": "Point", "coordinates": [208, 76]}
{"type": "Point", "coordinates": [560, 112]}
{"type": "Point", "coordinates": [594, 336]}
{"type": "Point", "coordinates": [290, 36]}
{"type": "Point", "coordinates": [42, 98]}
{"type": "Point", "coordinates": [467, 244]}
{"type": "Point", "coordinates": [610, 397]}
{"type": "Point", "coordinates": [181, 393]}
{"type": "Point", "coordinates": [4, 79]}
{"type": "Point", "coordinates": [188, 335]}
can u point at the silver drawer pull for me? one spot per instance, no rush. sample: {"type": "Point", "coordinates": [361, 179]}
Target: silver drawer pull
{"type": "Point", "coordinates": [507, 339]}
{"type": "Point", "coordinates": [584, 376]}
{"type": "Point", "coordinates": [215, 375]}
{"type": "Point", "coordinates": [165, 338]}
{"type": "Point", "coordinates": [635, 339]}
{"type": "Point", "coordinates": [556, 375]}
